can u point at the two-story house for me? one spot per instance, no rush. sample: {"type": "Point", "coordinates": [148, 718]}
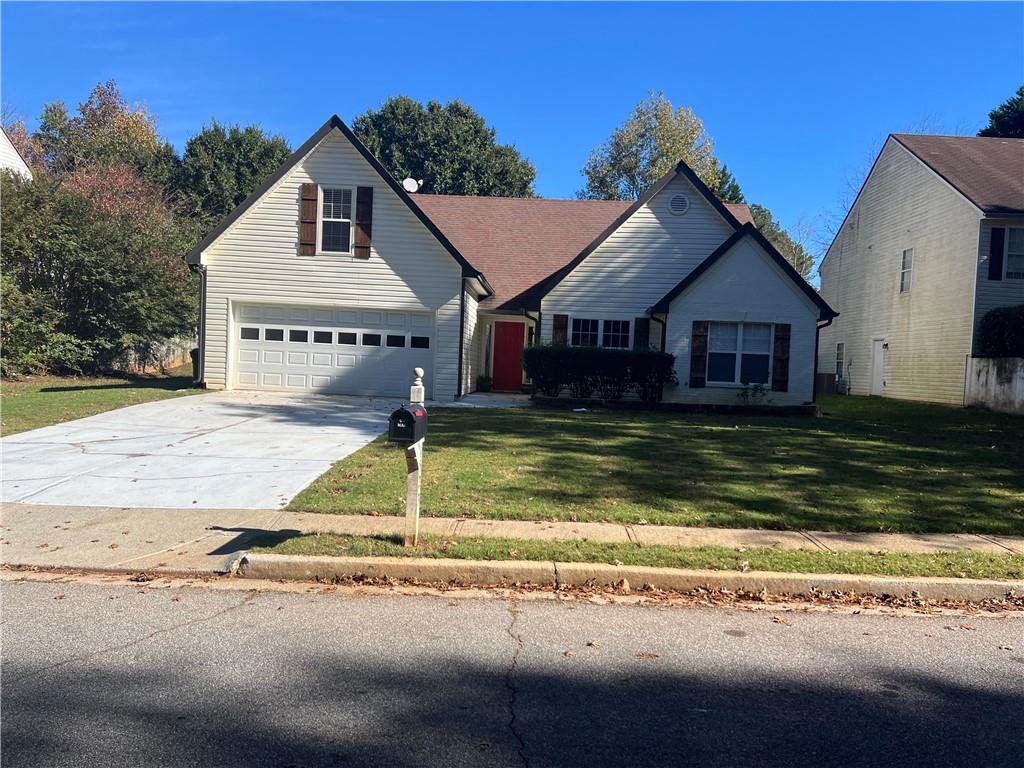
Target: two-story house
{"type": "Point", "coordinates": [933, 241]}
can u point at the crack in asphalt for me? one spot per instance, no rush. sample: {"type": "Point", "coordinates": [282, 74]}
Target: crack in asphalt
{"type": "Point", "coordinates": [517, 640]}
{"type": "Point", "coordinates": [138, 641]}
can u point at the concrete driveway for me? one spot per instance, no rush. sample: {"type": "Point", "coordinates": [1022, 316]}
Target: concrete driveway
{"type": "Point", "coordinates": [223, 450]}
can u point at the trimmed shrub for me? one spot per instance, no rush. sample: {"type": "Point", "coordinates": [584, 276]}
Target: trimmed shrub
{"type": "Point", "coordinates": [593, 371]}
{"type": "Point", "coordinates": [1001, 332]}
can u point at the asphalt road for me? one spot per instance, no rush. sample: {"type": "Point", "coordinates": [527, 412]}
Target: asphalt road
{"type": "Point", "coordinates": [102, 675]}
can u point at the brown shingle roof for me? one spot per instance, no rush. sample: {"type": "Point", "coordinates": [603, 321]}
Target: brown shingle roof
{"type": "Point", "coordinates": [518, 241]}
{"type": "Point", "coordinates": [987, 171]}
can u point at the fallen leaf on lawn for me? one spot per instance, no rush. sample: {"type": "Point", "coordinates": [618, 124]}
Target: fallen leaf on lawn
{"type": "Point", "coordinates": [645, 655]}
{"type": "Point", "coordinates": [513, 552]}
{"type": "Point", "coordinates": [745, 566]}
{"type": "Point", "coordinates": [780, 620]}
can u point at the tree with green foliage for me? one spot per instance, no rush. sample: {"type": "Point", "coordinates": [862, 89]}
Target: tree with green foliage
{"type": "Point", "coordinates": [93, 275]}
{"type": "Point", "coordinates": [448, 146]}
{"type": "Point", "coordinates": [652, 140]}
{"type": "Point", "coordinates": [1007, 120]}
{"type": "Point", "coordinates": [793, 251]}
{"type": "Point", "coordinates": [728, 189]}
{"type": "Point", "coordinates": [222, 165]}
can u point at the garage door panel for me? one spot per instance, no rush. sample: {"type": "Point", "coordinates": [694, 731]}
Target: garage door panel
{"type": "Point", "coordinates": [344, 351]}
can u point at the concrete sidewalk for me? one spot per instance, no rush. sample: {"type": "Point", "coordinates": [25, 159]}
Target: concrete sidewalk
{"type": "Point", "coordinates": [211, 540]}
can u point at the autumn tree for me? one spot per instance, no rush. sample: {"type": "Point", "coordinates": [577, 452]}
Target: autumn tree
{"type": "Point", "coordinates": [448, 146]}
{"type": "Point", "coordinates": [1007, 120]}
{"type": "Point", "coordinates": [652, 140]}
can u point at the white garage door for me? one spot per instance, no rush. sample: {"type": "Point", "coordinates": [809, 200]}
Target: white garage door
{"type": "Point", "coordinates": [343, 351]}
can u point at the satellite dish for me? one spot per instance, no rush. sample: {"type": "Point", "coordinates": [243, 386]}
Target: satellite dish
{"type": "Point", "coordinates": [411, 185]}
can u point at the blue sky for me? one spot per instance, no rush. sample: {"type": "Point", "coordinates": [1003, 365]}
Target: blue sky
{"type": "Point", "coordinates": [796, 96]}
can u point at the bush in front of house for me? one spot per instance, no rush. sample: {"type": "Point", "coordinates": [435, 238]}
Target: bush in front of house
{"type": "Point", "coordinates": [1001, 332]}
{"type": "Point", "coordinates": [608, 374]}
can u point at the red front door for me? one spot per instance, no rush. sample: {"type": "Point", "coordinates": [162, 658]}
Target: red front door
{"type": "Point", "coordinates": [508, 356]}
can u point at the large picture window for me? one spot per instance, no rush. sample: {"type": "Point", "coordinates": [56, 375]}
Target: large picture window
{"type": "Point", "coordinates": [336, 221]}
{"type": "Point", "coordinates": [739, 353]}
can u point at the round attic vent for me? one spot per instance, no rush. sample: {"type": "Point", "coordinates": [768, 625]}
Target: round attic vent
{"type": "Point", "coordinates": [679, 204]}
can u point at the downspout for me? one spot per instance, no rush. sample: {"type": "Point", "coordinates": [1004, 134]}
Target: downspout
{"type": "Point", "coordinates": [817, 338]}
{"type": "Point", "coordinates": [200, 374]}
{"type": "Point", "coordinates": [536, 324]}
{"type": "Point", "coordinates": [662, 323]}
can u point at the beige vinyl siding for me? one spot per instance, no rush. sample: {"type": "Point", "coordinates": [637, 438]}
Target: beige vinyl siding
{"type": "Point", "coordinates": [10, 159]}
{"type": "Point", "coordinates": [904, 204]}
{"type": "Point", "coordinates": [639, 262]}
{"type": "Point", "coordinates": [256, 261]}
{"type": "Point", "coordinates": [470, 330]}
{"type": "Point", "coordinates": [744, 285]}
{"type": "Point", "coordinates": [994, 293]}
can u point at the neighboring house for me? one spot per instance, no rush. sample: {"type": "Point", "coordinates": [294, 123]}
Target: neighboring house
{"type": "Point", "coordinates": [331, 277]}
{"type": "Point", "coordinates": [11, 159]}
{"type": "Point", "coordinates": [933, 241]}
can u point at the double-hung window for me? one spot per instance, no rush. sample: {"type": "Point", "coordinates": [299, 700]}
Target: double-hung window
{"type": "Point", "coordinates": [336, 220]}
{"type": "Point", "coordinates": [615, 334]}
{"type": "Point", "coordinates": [1015, 254]}
{"type": "Point", "coordinates": [584, 332]}
{"type": "Point", "coordinates": [739, 353]}
{"type": "Point", "coordinates": [840, 359]}
{"type": "Point", "coordinates": [906, 270]}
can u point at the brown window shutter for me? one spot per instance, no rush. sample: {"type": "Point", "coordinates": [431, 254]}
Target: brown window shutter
{"type": "Point", "coordinates": [307, 220]}
{"type": "Point", "coordinates": [364, 221]}
{"type": "Point", "coordinates": [560, 330]}
{"type": "Point", "coordinates": [995, 253]}
{"type": "Point", "coordinates": [699, 354]}
{"type": "Point", "coordinates": [780, 358]}
{"type": "Point", "coordinates": [642, 333]}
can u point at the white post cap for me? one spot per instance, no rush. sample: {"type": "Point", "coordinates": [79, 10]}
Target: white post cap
{"type": "Point", "coordinates": [416, 391]}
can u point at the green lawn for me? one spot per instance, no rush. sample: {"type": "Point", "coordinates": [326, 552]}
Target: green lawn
{"type": "Point", "coordinates": [976, 565]}
{"type": "Point", "coordinates": [866, 465]}
{"type": "Point", "coordinates": [38, 401]}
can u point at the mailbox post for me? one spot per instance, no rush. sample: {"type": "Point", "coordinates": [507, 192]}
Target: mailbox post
{"type": "Point", "coordinates": [409, 426]}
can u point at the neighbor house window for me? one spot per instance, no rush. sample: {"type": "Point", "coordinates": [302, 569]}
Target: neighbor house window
{"type": "Point", "coordinates": [906, 270]}
{"type": "Point", "coordinates": [1015, 254]}
{"type": "Point", "coordinates": [584, 332]}
{"type": "Point", "coordinates": [739, 353]}
{"type": "Point", "coordinates": [615, 334]}
{"type": "Point", "coordinates": [336, 220]}
{"type": "Point", "coordinates": [840, 359]}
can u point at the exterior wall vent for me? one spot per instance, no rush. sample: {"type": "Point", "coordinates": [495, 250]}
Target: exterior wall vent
{"type": "Point", "coordinates": [679, 204]}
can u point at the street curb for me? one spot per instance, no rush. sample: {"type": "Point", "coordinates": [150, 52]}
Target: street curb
{"type": "Point", "coordinates": [503, 573]}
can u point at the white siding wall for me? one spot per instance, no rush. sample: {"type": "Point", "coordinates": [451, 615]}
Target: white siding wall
{"type": "Point", "coordinates": [640, 262]}
{"type": "Point", "coordinates": [257, 260]}
{"type": "Point", "coordinates": [744, 285]}
{"type": "Point", "coordinates": [994, 293]}
{"type": "Point", "coordinates": [904, 205]}
{"type": "Point", "coordinates": [9, 158]}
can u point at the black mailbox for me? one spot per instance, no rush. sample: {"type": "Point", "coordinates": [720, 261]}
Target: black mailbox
{"type": "Point", "coordinates": [407, 425]}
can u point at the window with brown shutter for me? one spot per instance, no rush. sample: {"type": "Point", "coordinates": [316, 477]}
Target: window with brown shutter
{"type": "Point", "coordinates": [642, 333]}
{"type": "Point", "coordinates": [780, 358]}
{"type": "Point", "coordinates": [699, 353]}
{"type": "Point", "coordinates": [364, 221]}
{"type": "Point", "coordinates": [560, 330]}
{"type": "Point", "coordinates": [307, 219]}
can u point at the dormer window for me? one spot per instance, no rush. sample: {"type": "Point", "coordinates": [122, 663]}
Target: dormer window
{"type": "Point", "coordinates": [336, 204]}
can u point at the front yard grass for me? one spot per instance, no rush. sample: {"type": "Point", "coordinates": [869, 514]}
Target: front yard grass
{"type": "Point", "coordinates": [976, 565]}
{"type": "Point", "coordinates": [868, 464]}
{"type": "Point", "coordinates": [38, 401]}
